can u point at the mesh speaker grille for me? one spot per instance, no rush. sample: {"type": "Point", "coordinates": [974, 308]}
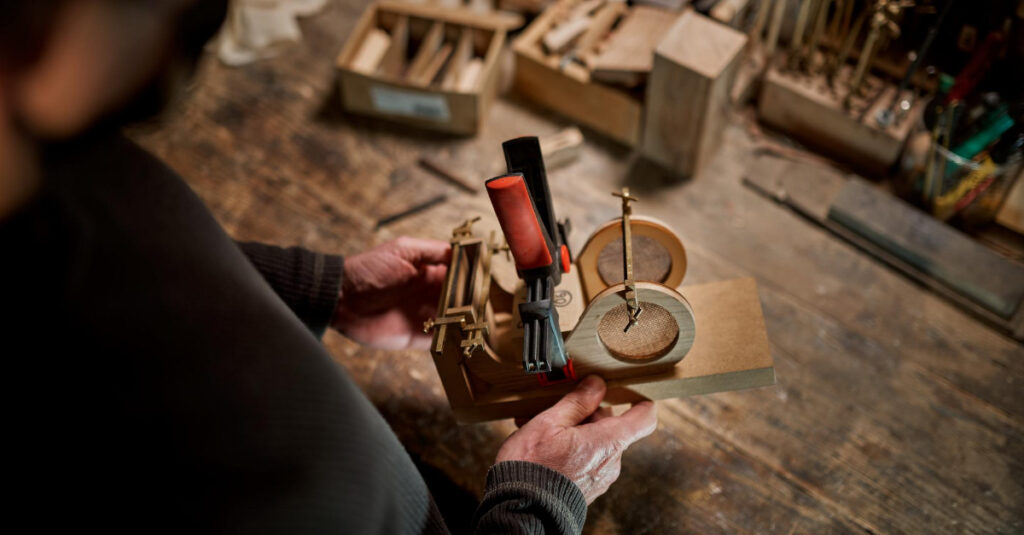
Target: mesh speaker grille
{"type": "Point", "coordinates": [650, 338]}
{"type": "Point", "coordinates": [651, 261]}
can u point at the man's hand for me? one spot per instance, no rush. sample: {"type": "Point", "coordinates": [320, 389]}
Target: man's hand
{"type": "Point", "coordinates": [389, 291]}
{"type": "Point", "coordinates": [579, 440]}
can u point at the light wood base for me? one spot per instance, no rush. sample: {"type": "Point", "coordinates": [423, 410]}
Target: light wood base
{"type": "Point", "coordinates": [730, 352]}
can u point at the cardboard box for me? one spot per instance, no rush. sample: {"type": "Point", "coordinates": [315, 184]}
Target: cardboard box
{"type": "Point", "coordinates": [400, 64]}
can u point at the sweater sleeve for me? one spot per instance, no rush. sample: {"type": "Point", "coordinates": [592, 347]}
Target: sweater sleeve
{"type": "Point", "coordinates": [523, 497]}
{"type": "Point", "coordinates": [308, 282]}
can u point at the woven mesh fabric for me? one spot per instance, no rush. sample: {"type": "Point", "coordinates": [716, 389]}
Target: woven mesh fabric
{"type": "Point", "coordinates": [651, 261]}
{"type": "Point", "coordinates": [651, 337]}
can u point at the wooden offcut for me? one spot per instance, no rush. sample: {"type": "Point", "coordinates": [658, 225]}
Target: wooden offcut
{"type": "Point", "coordinates": [688, 92]}
{"type": "Point", "coordinates": [567, 88]}
{"type": "Point", "coordinates": [425, 53]}
{"type": "Point", "coordinates": [627, 57]}
{"type": "Point", "coordinates": [371, 52]}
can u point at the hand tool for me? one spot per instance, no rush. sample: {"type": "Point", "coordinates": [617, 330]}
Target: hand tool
{"type": "Point", "coordinates": [819, 28]}
{"type": "Point", "coordinates": [412, 210]}
{"type": "Point", "coordinates": [885, 116]}
{"type": "Point", "coordinates": [632, 304]}
{"type": "Point", "coordinates": [883, 28]}
{"type": "Point", "coordinates": [798, 33]}
{"type": "Point", "coordinates": [522, 203]}
{"type": "Point", "coordinates": [773, 29]}
{"type": "Point", "coordinates": [844, 50]}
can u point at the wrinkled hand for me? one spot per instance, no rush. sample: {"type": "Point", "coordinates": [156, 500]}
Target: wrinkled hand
{"type": "Point", "coordinates": [389, 291]}
{"type": "Point", "coordinates": [580, 440]}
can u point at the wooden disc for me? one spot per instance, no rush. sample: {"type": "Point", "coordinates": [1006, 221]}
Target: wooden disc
{"type": "Point", "coordinates": [652, 336]}
{"type": "Point", "coordinates": [652, 242]}
{"type": "Point", "coordinates": [651, 261]}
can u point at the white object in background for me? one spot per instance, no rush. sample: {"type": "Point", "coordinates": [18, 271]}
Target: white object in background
{"type": "Point", "coordinates": [255, 28]}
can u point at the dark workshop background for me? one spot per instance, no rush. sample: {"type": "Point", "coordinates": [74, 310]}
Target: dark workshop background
{"type": "Point", "coordinates": [895, 411]}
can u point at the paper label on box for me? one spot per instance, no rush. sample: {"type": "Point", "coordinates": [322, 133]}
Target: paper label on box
{"type": "Point", "coordinates": [410, 104]}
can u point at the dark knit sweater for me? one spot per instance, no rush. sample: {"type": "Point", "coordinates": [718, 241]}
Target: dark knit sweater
{"type": "Point", "coordinates": [162, 378]}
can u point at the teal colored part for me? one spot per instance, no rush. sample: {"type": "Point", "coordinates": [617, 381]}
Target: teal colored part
{"type": "Point", "coordinates": [995, 126]}
{"type": "Point", "coordinates": [945, 83]}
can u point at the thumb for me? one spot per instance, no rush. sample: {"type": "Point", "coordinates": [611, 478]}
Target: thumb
{"type": "Point", "coordinates": [577, 405]}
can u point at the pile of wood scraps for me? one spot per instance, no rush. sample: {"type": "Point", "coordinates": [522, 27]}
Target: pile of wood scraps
{"type": "Point", "coordinates": [587, 58]}
{"type": "Point", "coordinates": [424, 65]}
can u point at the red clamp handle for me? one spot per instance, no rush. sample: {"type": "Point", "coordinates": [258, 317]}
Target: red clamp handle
{"type": "Point", "coordinates": [518, 219]}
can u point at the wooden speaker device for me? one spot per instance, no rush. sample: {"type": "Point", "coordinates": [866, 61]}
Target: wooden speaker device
{"type": "Point", "coordinates": [617, 311]}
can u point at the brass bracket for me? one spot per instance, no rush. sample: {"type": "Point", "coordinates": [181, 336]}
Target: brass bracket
{"type": "Point", "coordinates": [627, 259]}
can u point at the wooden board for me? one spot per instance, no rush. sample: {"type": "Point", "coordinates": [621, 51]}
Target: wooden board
{"type": "Point", "coordinates": [730, 352]}
{"type": "Point", "coordinates": [688, 92]}
{"type": "Point", "coordinates": [930, 246]}
{"type": "Point", "coordinates": [628, 55]}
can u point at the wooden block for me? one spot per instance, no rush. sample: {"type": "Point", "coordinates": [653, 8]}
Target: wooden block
{"type": "Point", "coordinates": [585, 8]}
{"type": "Point", "coordinates": [427, 75]}
{"type": "Point", "coordinates": [930, 246]}
{"type": "Point", "coordinates": [371, 52]}
{"type": "Point", "coordinates": [728, 11]}
{"type": "Point", "coordinates": [628, 55]}
{"type": "Point", "coordinates": [469, 77]}
{"type": "Point", "coordinates": [558, 40]}
{"type": "Point", "coordinates": [393, 63]}
{"type": "Point", "coordinates": [463, 53]}
{"type": "Point", "coordinates": [600, 25]}
{"type": "Point", "coordinates": [428, 48]}
{"type": "Point", "coordinates": [688, 92]}
{"type": "Point", "coordinates": [561, 147]}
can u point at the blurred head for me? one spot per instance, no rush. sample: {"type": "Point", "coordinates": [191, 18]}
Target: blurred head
{"type": "Point", "coordinates": [66, 65]}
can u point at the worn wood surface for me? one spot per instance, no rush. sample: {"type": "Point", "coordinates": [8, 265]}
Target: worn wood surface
{"type": "Point", "coordinates": [894, 411]}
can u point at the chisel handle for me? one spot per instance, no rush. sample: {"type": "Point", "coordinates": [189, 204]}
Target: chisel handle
{"type": "Point", "coordinates": [518, 218]}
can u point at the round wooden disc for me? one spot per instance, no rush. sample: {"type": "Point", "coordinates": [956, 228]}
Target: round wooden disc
{"type": "Point", "coordinates": [651, 261]}
{"type": "Point", "coordinates": [656, 250]}
{"type": "Point", "coordinates": [653, 335]}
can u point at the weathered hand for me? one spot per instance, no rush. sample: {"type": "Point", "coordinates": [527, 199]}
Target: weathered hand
{"type": "Point", "coordinates": [580, 440]}
{"type": "Point", "coordinates": [389, 291]}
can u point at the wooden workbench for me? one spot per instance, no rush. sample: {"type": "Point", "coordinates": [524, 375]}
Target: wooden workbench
{"type": "Point", "coordinates": [894, 412]}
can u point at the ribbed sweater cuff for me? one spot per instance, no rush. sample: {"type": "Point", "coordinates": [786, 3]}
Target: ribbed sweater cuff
{"type": "Point", "coordinates": [308, 282]}
{"type": "Point", "coordinates": [556, 494]}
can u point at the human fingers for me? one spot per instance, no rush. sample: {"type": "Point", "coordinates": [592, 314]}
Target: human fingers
{"type": "Point", "coordinates": [422, 251]}
{"type": "Point", "coordinates": [575, 406]}
{"type": "Point", "coordinates": [598, 415]}
{"type": "Point", "coordinates": [639, 421]}
{"type": "Point", "coordinates": [434, 274]}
